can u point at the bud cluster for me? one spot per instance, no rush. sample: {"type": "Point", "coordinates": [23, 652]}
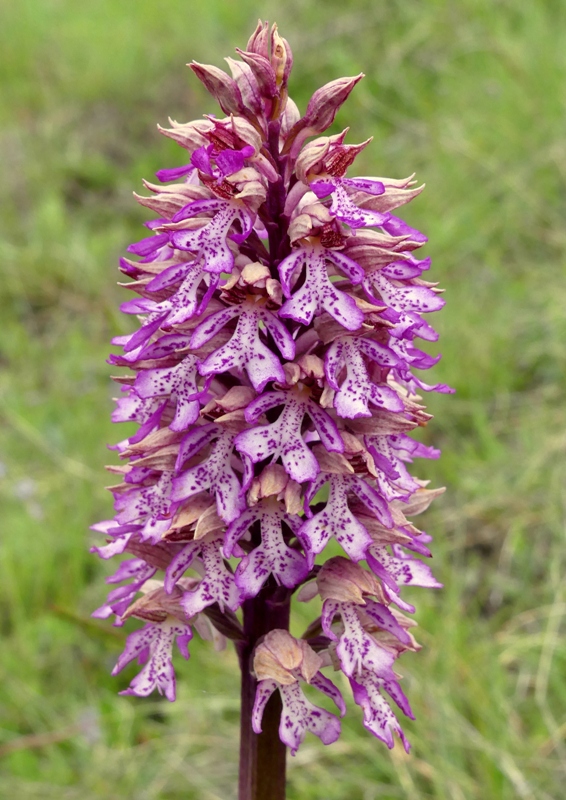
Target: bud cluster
{"type": "Point", "coordinates": [272, 382]}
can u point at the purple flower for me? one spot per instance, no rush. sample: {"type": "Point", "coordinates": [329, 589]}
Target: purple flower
{"type": "Point", "coordinates": [119, 599]}
{"type": "Point", "coordinates": [214, 474]}
{"type": "Point", "coordinates": [357, 390]}
{"type": "Point", "coordinates": [299, 715]}
{"type": "Point", "coordinates": [379, 719]}
{"type": "Point", "coordinates": [177, 383]}
{"type": "Point", "coordinates": [272, 381]}
{"type": "Point", "coordinates": [283, 438]}
{"type": "Point", "coordinates": [272, 556]}
{"type": "Point", "coordinates": [342, 207]}
{"type": "Point", "coordinates": [281, 663]}
{"type": "Point", "coordinates": [318, 293]}
{"type": "Point", "coordinates": [152, 646]}
{"type": "Point", "coordinates": [217, 585]}
{"type": "Point", "coordinates": [245, 348]}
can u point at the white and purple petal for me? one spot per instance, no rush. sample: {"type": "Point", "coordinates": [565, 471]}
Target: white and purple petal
{"type": "Point", "coordinates": [155, 640]}
{"type": "Point", "coordinates": [378, 716]}
{"type": "Point", "coordinates": [217, 586]}
{"type": "Point", "coordinates": [318, 293]}
{"type": "Point", "coordinates": [272, 557]}
{"type": "Point", "coordinates": [336, 520]}
{"type": "Point", "coordinates": [299, 715]}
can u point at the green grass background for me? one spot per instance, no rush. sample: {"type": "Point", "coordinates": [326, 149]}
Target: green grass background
{"type": "Point", "coordinates": [470, 95]}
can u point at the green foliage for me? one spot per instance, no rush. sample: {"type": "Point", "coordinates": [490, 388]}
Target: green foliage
{"type": "Point", "coordinates": [470, 95]}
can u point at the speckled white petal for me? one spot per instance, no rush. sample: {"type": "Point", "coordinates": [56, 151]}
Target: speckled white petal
{"type": "Point", "coordinates": [208, 244]}
{"type": "Point", "coordinates": [217, 586]}
{"type": "Point", "coordinates": [216, 475]}
{"type": "Point", "coordinates": [281, 438]}
{"type": "Point", "coordinates": [180, 564]}
{"type": "Point", "coordinates": [336, 520]}
{"type": "Point", "coordinates": [271, 557]}
{"type": "Point", "coordinates": [157, 641]}
{"type": "Point", "coordinates": [356, 648]}
{"type": "Point", "coordinates": [318, 294]}
{"type": "Point", "coordinates": [299, 715]}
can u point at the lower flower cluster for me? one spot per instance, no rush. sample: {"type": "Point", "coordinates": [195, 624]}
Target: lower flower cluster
{"type": "Point", "coordinates": [172, 519]}
{"type": "Point", "coordinates": [272, 382]}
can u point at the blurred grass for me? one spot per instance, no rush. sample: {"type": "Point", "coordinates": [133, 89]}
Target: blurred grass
{"type": "Point", "coordinates": [471, 96]}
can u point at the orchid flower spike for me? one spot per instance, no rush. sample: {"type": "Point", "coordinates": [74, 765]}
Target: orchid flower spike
{"type": "Point", "coordinates": [272, 380]}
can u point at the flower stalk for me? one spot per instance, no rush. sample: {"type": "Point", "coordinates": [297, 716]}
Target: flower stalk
{"type": "Point", "coordinates": [262, 755]}
{"type": "Point", "coordinates": [272, 381]}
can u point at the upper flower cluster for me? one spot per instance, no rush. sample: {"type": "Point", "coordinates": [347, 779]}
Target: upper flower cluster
{"type": "Point", "coordinates": [272, 382]}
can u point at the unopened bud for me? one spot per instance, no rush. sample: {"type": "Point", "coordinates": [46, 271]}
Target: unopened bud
{"type": "Point", "coordinates": [255, 274]}
{"type": "Point", "coordinates": [263, 72]}
{"type": "Point", "coordinates": [282, 658]}
{"type": "Point", "coordinates": [208, 522]}
{"type": "Point", "coordinates": [247, 85]}
{"type": "Point", "coordinates": [236, 397]}
{"type": "Point", "coordinates": [291, 116]}
{"type": "Point", "coordinates": [343, 580]}
{"type": "Point", "coordinates": [157, 605]}
{"type": "Point", "coordinates": [259, 40]}
{"type": "Point", "coordinates": [321, 110]}
{"type": "Point", "coordinates": [221, 86]}
{"type": "Point", "coordinates": [281, 57]}
{"type": "Point", "coordinates": [326, 101]}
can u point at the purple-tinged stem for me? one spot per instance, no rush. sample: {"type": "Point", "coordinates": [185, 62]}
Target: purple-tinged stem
{"type": "Point", "coordinates": [276, 224]}
{"type": "Point", "coordinates": [262, 756]}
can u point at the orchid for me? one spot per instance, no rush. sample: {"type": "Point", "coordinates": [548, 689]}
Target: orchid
{"type": "Point", "coordinates": [273, 385]}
